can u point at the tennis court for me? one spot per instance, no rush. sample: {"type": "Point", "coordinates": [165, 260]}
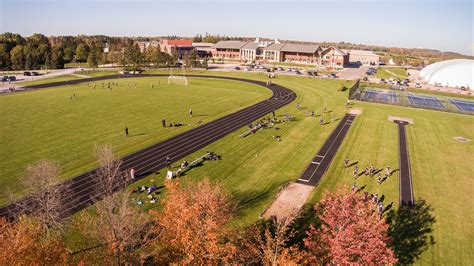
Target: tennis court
{"type": "Point", "coordinates": [425, 101]}
{"type": "Point", "coordinates": [462, 105]}
{"type": "Point", "coordinates": [380, 96]}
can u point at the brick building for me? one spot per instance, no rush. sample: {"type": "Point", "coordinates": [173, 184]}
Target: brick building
{"type": "Point", "coordinates": [228, 49]}
{"type": "Point", "coordinates": [292, 53]}
{"type": "Point", "coordinates": [179, 48]}
{"type": "Point", "coordinates": [334, 57]}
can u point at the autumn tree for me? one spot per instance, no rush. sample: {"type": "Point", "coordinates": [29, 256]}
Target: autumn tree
{"type": "Point", "coordinates": [41, 181]}
{"type": "Point", "coordinates": [266, 243]}
{"type": "Point", "coordinates": [351, 232]}
{"type": "Point", "coordinates": [192, 224]}
{"type": "Point", "coordinates": [26, 242]}
{"type": "Point", "coordinates": [114, 223]}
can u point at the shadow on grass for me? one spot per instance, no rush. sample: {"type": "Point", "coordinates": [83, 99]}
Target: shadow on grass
{"type": "Point", "coordinates": [410, 229]}
{"type": "Point", "coordinates": [301, 224]}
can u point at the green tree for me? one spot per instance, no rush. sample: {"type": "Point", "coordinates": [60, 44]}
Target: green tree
{"type": "Point", "coordinates": [82, 52]}
{"type": "Point", "coordinates": [132, 56]}
{"type": "Point", "coordinates": [57, 57]}
{"type": "Point", "coordinates": [92, 59]}
{"type": "Point", "coordinates": [17, 57]}
{"type": "Point", "coordinates": [5, 62]}
{"type": "Point", "coordinates": [69, 54]}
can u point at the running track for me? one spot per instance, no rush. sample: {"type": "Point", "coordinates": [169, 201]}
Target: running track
{"type": "Point", "coordinates": [83, 189]}
{"type": "Point", "coordinates": [406, 187]}
{"type": "Point", "coordinates": [320, 163]}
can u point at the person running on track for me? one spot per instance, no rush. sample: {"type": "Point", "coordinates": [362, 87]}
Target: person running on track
{"type": "Point", "coordinates": [126, 131]}
{"type": "Point", "coordinates": [132, 173]}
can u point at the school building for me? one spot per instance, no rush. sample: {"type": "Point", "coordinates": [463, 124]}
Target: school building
{"type": "Point", "coordinates": [276, 51]}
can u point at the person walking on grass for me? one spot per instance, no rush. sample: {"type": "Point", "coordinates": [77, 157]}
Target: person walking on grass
{"type": "Point", "coordinates": [379, 179]}
{"type": "Point", "coordinates": [126, 131]}
{"type": "Point", "coordinates": [312, 113]}
{"type": "Point", "coordinates": [190, 112]}
{"type": "Point", "coordinates": [163, 122]}
{"type": "Point", "coordinates": [321, 120]}
{"type": "Point", "coordinates": [307, 113]}
{"type": "Point", "coordinates": [366, 169]}
{"type": "Point", "coordinates": [168, 162]}
{"type": "Point", "coordinates": [346, 162]}
{"type": "Point", "coordinates": [273, 113]}
{"type": "Point", "coordinates": [387, 171]}
{"type": "Point", "coordinates": [356, 171]}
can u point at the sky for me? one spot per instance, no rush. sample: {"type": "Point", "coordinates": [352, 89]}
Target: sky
{"type": "Point", "coordinates": [443, 25]}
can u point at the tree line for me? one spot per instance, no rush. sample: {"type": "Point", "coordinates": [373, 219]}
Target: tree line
{"type": "Point", "coordinates": [38, 51]}
{"type": "Point", "coordinates": [192, 227]}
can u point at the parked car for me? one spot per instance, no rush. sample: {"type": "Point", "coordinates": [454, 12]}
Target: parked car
{"type": "Point", "coordinates": [298, 72]}
{"type": "Point", "coordinates": [11, 78]}
{"type": "Point", "coordinates": [382, 81]}
{"type": "Point", "coordinates": [4, 78]}
{"type": "Point", "coordinates": [365, 78]}
{"type": "Point", "coordinates": [333, 75]}
{"type": "Point", "coordinates": [417, 85]}
{"type": "Point", "coordinates": [237, 68]}
{"type": "Point", "coordinates": [34, 73]}
{"type": "Point", "coordinates": [280, 68]}
{"type": "Point", "coordinates": [26, 73]}
{"type": "Point", "coordinates": [248, 69]}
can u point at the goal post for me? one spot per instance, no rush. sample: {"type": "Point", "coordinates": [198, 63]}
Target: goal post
{"type": "Point", "coordinates": [178, 80]}
{"type": "Point", "coordinates": [181, 79]}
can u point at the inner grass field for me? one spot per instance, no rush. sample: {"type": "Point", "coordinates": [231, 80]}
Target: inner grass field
{"type": "Point", "coordinates": [47, 124]}
{"type": "Point", "coordinates": [254, 168]}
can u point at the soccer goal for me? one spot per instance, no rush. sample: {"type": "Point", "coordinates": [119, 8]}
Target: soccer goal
{"type": "Point", "coordinates": [178, 80]}
{"type": "Point", "coordinates": [181, 79]}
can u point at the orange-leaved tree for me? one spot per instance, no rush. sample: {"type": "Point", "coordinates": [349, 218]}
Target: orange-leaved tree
{"type": "Point", "coordinates": [28, 242]}
{"type": "Point", "coordinates": [351, 232]}
{"type": "Point", "coordinates": [192, 224]}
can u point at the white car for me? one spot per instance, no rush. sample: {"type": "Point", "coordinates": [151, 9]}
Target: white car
{"type": "Point", "coordinates": [417, 85]}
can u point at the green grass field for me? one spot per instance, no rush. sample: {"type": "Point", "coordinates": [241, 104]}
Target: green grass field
{"type": "Point", "coordinates": [47, 80]}
{"type": "Point", "coordinates": [255, 167]}
{"type": "Point", "coordinates": [46, 124]}
{"type": "Point", "coordinates": [391, 72]}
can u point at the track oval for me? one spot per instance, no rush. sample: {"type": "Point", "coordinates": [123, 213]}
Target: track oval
{"type": "Point", "coordinates": [83, 188]}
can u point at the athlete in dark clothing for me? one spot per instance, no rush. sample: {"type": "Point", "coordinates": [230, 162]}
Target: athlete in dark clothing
{"type": "Point", "coordinates": [126, 131]}
{"type": "Point", "coordinates": [163, 122]}
{"type": "Point", "coordinates": [168, 162]}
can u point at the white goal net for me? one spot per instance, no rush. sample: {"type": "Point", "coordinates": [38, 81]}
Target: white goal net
{"type": "Point", "coordinates": [178, 80]}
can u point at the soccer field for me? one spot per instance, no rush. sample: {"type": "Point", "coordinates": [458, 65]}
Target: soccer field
{"type": "Point", "coordinates": [254, 168]}
{"type": "Point", "coordinates": [47, 124]}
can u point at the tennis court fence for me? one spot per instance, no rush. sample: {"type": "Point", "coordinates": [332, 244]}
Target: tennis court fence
{"type": "Point", "coordinates": [408, 99]}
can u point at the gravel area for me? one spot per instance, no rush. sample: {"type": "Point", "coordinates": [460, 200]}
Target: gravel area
{"type": "Point", "coordinates": [288, 202]}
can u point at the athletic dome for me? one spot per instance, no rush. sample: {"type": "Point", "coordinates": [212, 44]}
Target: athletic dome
{"type": "Point", "coordinates": [451, 73]}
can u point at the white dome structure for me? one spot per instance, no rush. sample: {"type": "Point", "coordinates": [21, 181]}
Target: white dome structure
{"type": "Point", "coordinates": [450, 73]}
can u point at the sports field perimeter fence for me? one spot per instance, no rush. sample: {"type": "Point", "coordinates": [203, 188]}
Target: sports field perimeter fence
{"type": "Point", "coordinates": [394, 96]}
